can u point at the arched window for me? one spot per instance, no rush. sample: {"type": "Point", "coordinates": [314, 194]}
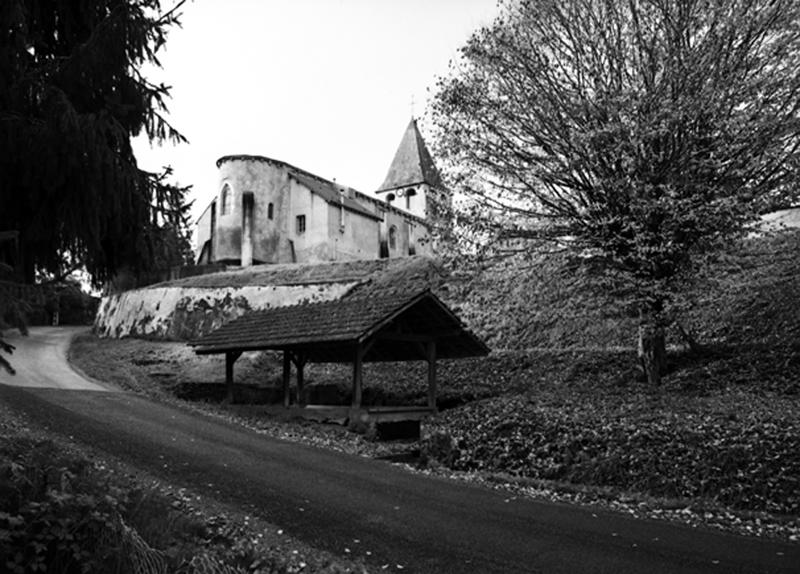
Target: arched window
{"type": "Point", "coordinates": [409, 193]}
{"type": "Point", "coordinates": [390, 198]}
{"type": "Point", "coordinates": [225, 200]}
{"type": "Point", "coordinates": [270, 212]}
{"type": "Point", "coordinates": [392, 237]}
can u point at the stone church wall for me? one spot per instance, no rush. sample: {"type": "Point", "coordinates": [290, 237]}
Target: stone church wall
{"type": "Point", "coordinates": [357, 238]}
{"type": "Point", "coordinates": [270, 185]}
{"type": "Point", "coordinates": [312, 244]}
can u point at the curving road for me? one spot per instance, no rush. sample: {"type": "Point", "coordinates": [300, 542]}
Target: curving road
{"type": "Point", "coordinates": [41, 361]}
{"type": "Point", "coordinates": [330, 499]}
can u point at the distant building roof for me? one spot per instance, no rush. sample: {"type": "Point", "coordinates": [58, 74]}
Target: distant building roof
{"type": "Point", "coordinates": [412, 163]}
{"type": "Point", "coordinates": [331, 193]}
{"type": "Point", "coordinates": [324, 331]}
{"type": "Point", "coordinates": [408, 272]}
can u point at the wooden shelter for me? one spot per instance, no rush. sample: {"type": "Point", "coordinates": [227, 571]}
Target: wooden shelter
{"type": "Point", "coordinates": [382, 326]}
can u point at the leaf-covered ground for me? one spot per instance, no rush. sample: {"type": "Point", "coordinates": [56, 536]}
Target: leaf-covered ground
{"type": "Point", "coordinates": [737, 448]}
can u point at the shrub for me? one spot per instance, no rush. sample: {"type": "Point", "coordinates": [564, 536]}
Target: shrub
{"type": "Point", "coordinates": [56, 513]}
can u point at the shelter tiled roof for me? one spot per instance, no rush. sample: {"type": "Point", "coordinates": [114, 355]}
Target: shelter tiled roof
{"type": "Point", "coordinates": [326, 331]}
{"type": "Point", "coordinates": [412, 163]}
{"type": "Point", "coordinates": [330, 192]}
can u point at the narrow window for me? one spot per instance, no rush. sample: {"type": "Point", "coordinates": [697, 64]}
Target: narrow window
{"type": "Point", "coordinates": [269, 211]}
{"type": "Point", "coordinates": [225, 200]}
{"type": "Point", "coordinates": [409, 193]}
{"type": "Point", "coordinates": [392, 237]}
{"type": "Point", "coordinates": [390, 198]}
{"type": "Point", "coordinates": [301, 224]}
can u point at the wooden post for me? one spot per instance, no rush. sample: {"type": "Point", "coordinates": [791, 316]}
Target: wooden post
{"type": "Point", "coordinates": [230, 357]}
{"type": "Point", "coordinates": [431, 348]}
{"type": "Point", "coordinates": [287, 374]}
{"type": "Point", "coordinates": [357, 371]}
{"type": "Point", "coordinates": [300, 363]}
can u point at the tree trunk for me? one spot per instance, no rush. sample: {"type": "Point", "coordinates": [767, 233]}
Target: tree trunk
{"type": "Point", "coordinates": [691, 342]}
{"type": "Point", "coordinates": [652, 347]}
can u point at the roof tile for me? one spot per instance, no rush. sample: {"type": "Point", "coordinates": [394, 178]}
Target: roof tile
{"type": "Point", "coordinates": [331, 193]}
{"type": "Point", "coordinates": [341, 322]}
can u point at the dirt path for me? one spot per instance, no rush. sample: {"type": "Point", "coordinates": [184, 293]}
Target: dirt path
{"type": "Point", "coordinates": [364, 508]}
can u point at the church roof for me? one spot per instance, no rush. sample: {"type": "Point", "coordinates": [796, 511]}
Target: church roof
{"type": "Point", "coordinates": [412, 163]}
{"type": "Point", "coordinates": [330, 192]}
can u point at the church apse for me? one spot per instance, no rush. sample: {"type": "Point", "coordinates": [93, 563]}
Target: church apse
{"type": "Point", "coordinates": [268, 211]}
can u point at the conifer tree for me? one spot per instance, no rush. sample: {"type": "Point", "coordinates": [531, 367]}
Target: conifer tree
{"type": "Point", "coordinates": [72, 95]}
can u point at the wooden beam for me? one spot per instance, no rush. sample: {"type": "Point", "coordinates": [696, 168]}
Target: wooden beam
{"type": "Point", "coordinates": [432, 374]}
{"type": "Point", "coordinates": [410, 337]}
{"type": "Point", "coordinates": [392, 336]}
{"type": "Point", "coordinates": [287, 375]}
{"type": "Point", "coordinates": [357, 375]}
{"type": "Point", "coordinates": [367, 345]}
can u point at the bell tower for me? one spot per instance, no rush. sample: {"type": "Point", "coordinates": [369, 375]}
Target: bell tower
{"type": "Point", "coordinates": [413, 183]}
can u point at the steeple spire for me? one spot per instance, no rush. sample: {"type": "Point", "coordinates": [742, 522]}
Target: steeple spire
{"type": "Point", "coordinates": [412, 164]}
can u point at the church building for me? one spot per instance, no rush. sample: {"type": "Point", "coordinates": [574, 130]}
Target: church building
{"type": "Point", "coordinates": [267, 211]}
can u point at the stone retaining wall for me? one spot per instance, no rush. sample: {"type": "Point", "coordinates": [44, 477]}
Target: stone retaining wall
{"type": "Point", "coordinates": [184, 313]}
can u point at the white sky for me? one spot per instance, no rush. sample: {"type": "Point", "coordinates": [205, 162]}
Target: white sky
{"type": "Point", "coordinates": [325, 85]}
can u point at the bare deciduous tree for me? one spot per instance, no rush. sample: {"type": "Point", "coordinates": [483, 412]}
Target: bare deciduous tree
{"type": "Point", "coordinates": [636, 133]}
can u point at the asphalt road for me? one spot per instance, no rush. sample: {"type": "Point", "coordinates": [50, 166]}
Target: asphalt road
{"type": "Point", "coordinates": [330, 499]}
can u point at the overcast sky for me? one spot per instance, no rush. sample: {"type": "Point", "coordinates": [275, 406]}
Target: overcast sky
{"type": "Point", "coordinates": [325, 85]}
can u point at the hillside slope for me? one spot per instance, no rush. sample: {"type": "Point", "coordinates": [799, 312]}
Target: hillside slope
{"type": "Point", "coordinates": [748, 295]}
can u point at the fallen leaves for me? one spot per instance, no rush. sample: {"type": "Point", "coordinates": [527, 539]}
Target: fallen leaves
{"type": "Point", "coordinates": [751, 463]}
